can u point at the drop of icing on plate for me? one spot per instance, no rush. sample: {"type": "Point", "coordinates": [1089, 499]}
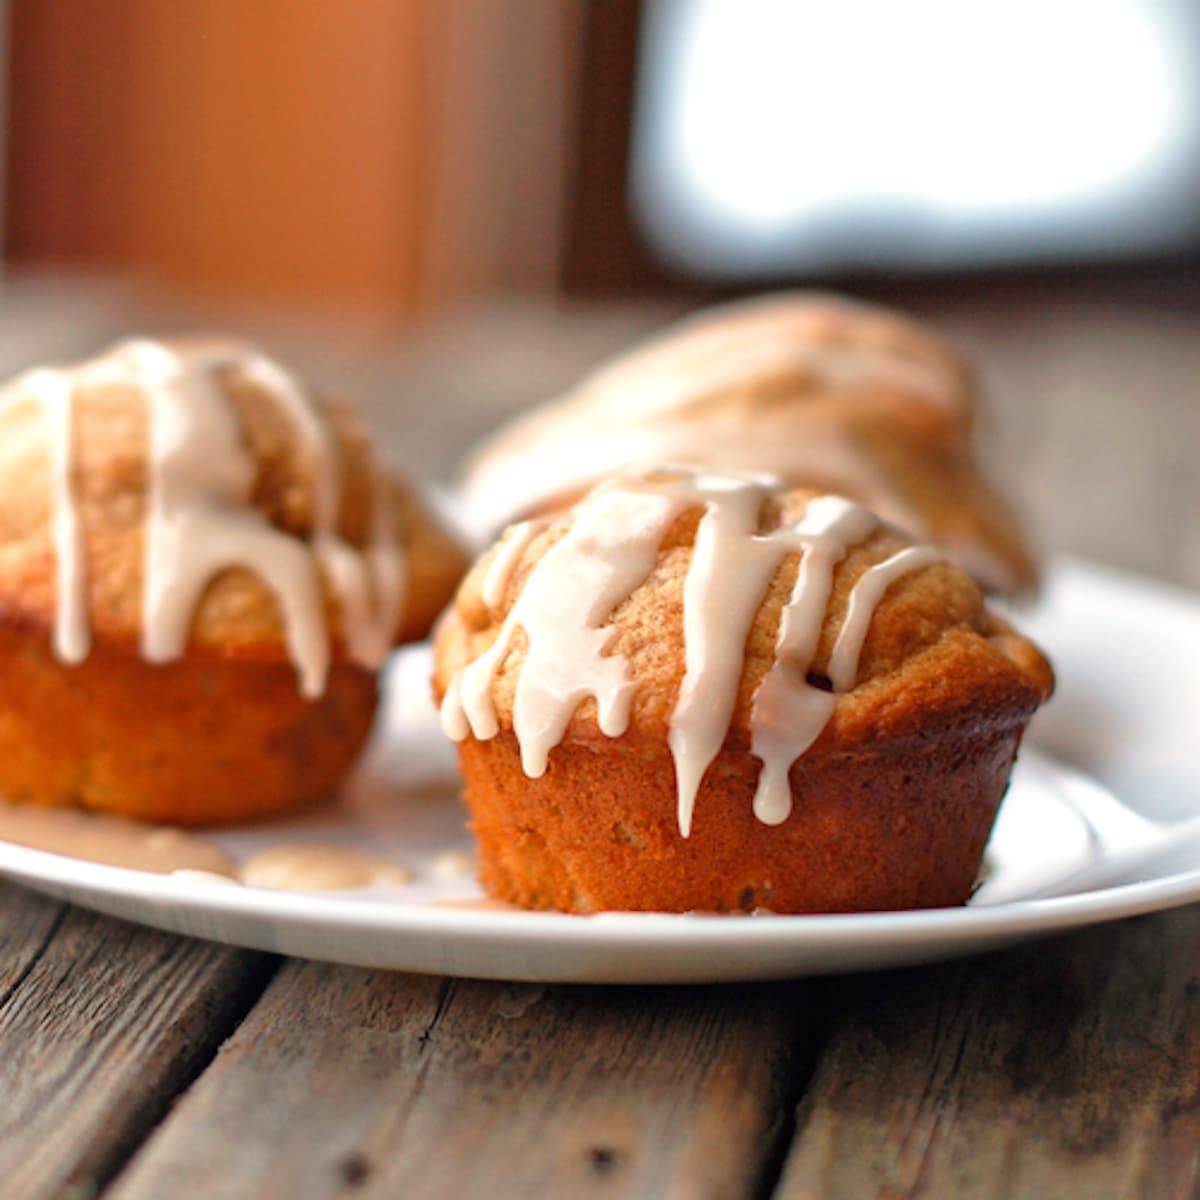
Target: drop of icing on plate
{"type": "Point", "coordinates": [111, 840]}
{"type": "Point", "coordinates": [306, 867]}
{"type": "Point", "coordinates": [188, 875]}
{"type": "Point", "coordinates": [163, 850]}
{"type": "Point", "coordinates": [453, 864]}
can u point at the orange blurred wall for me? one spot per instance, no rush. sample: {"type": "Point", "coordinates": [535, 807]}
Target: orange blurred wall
{"type": "Point", "coordinates": [384, 155]}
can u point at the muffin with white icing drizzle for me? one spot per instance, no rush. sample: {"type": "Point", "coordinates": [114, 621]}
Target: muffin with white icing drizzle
{"type": "Point", "coordinates": [821, 391]}
{"type": "Point", "coordinates": [712, 692]}
{"type": "Point", "coordinates": [202, 568]}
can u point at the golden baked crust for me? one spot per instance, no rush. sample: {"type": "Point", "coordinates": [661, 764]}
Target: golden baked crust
{"type": "Point", "coordinates": [750, 386]}
{"type": "Point", "coordinates": [238, 616]}
{"type": "Point", "coordinates": [892, 803]}
{"type": "Point", "coordinates": [594, 834]}
{"type": "Point", "coordinates": [195, 742]}
{"type": "Point", "coordinates": [928, 623]}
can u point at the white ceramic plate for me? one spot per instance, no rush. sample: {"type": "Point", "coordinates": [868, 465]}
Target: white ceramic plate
{"type": "Point", "coordinates": [1126, 651]}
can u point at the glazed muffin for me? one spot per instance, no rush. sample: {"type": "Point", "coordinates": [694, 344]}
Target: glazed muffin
{"type": "Point", "coordinates": [202, 568]}
{"type": "Point", "coordinates": [699, 692]}
{"type": "Point", "coordinates": [818, 390]}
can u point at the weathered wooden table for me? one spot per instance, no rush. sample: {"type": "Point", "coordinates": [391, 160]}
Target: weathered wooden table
{"type": "Point", "coordinates": [134, 1064]}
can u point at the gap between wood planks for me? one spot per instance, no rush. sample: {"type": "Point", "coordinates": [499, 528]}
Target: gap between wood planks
{"type": "Point", "coordinates": [807, 1053]}
{"type": "Point", "coordinates": [103, 1024]}
{"type": "Point", "coordinates": [1067, 1068]}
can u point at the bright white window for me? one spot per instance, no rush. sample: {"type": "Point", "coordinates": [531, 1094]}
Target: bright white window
{"type": "Point", "coordinates": [772, 136]}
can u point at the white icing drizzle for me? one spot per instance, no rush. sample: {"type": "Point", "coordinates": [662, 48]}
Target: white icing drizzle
{"type": "Point", "coordinates": [610, 549]}
{"type": "Point", "coordinates": [860, 608]}
{"type": "Point", "coordinates": [789, 713]}
{"type": "Point", "coordinates": [51, 390]}
{"type": "Point", "coordinates": [199, 520]}
{"type": "Point", "coordinates": [72, 633]}
{"type": "Point", "coordinates": [508, 553]}
{"type": "Point", "coordinates": [716, 621]}
{"type": "Point", "coordinates": [564, 611]}
{"type": "Point", "coordinates": [369, 586]}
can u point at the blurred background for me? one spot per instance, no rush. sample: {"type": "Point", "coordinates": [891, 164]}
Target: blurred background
{"type": "Point", "coordinates": [453, 207]}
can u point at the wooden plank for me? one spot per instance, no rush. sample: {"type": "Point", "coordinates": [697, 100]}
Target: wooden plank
{"type": "Point", "coordinates": [392, 1085]}
{"type": "Point", "coordinates": [27, 923]}
{"type": "Point", "coordinates": [1068, 1069]}
{"type": "Point", "coordinates": [101, 1025]}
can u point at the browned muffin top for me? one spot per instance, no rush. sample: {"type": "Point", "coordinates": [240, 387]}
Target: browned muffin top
{"type": "Point", "coordinates": [710, 610]}
{"type": "Point", "coordinates": [198, 490]}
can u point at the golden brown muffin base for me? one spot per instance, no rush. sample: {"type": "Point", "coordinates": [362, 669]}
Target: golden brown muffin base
{"type": "Point", "coordinates": [200, 741]}
{"type": "Point", "coordinates": [896, 827]}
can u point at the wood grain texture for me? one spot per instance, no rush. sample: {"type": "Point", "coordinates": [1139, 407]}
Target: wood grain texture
{"type": "Point", "coordinates": [394, 1085]}
{"type": "Point", "coordinates": [101, 1025]}
{"type": "Point", "coordinates": [27, 923]}
{"type": "Point", "coordinates": [1067, 1069]}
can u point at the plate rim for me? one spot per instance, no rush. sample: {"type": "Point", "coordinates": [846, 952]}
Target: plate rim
{"type": "Point", "coordinates": [81, 881]}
